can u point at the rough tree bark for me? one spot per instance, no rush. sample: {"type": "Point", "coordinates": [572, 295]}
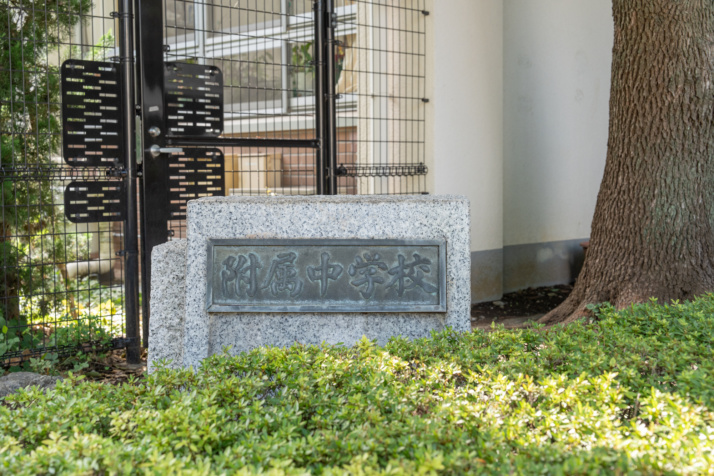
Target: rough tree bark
{"type": "Point", "coordinates": [652, 232]}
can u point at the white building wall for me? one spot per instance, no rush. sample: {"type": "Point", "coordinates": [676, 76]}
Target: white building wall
{"type": "Point", "coordinates": [466, 120]}
{"type": "Point", "coordinates": [518, 120]}
{"type": "Point", "coordinates": [557, 60]}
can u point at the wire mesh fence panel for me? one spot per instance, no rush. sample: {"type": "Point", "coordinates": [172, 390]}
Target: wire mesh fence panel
{"type": "Point", "coordinates": [267, 51]}
{"type": "Point", "coordinates": [61, 287]}
{"type": "Point", "coordinates": [381, 96]}
{"type": "Point", "coordinates": [264, 50]}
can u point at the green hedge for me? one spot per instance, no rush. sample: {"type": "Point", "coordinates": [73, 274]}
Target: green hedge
{"type": "Point", "coordinates": [628, 392]}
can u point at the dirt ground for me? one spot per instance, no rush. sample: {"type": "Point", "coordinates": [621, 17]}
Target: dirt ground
{"type": "Point", "coordinates": [112, 368]}
{"type": "Point", "coordinates": [516, 309]}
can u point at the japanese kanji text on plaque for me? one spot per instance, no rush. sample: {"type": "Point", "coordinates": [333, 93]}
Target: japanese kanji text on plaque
{"type": "Point", "coordinates": [326, 275]}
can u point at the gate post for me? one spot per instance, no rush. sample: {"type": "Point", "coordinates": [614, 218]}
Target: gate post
{"type": "Point", "coordinates": [154, 210]}
{"type": "Point", "coordinates": [320, 113]}
{"type": "Point", "coordinates": [325, 108]}
{"type": "Point", "coordinates": [131, 231]}
{"type": "Point", "coordinates": [330, 96]}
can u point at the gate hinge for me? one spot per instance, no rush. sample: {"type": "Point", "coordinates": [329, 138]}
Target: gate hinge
{"type": "Point", "coordinates": [424, 100]}
{"type": "Point", "coordinates": [122, 342]}
{"type": "Point", "coordinates": [126, 252]}
{"type": "Point", "coordinates": [120, 15]}
{"type": "Point", "coordinates": [119, 172]}
{"type": "Point", "coordinates": [425, 13]}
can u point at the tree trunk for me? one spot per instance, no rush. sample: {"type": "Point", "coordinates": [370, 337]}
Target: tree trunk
{"type": "Point", "coordinates": [652, 228]}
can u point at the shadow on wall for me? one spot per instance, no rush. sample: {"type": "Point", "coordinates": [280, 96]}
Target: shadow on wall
{"type": "Point", "coordinates": [496, 272]}
{"type": "Point", "coordinates": [541, 264]}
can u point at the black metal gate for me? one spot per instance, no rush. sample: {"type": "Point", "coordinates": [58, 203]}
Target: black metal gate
{"type": "Point", "coordinates": [167, 101]}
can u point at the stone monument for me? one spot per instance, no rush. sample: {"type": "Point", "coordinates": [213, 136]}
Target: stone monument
{"type": "Point", "coordinates": [258, 271]}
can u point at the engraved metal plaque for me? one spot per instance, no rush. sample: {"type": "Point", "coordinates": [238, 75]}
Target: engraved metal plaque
{"type": "Point", "coordinates": [326, 275]}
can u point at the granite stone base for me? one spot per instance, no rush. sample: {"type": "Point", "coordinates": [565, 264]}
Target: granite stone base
{"type": "Point", "coordinates": [168, 292]}
{"type": "Point", "coordinates": [182, 330]}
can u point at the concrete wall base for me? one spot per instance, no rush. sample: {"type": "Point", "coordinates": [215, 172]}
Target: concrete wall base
{"type": "Point", "coordinates": [495, 272]}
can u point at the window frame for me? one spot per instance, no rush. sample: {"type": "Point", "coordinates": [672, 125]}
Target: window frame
{"type": "Point", "coordinates": [297, 28]}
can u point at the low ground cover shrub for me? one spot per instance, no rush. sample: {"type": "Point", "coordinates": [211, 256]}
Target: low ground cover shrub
{"type": "Point", "coordinates": [626, 392]}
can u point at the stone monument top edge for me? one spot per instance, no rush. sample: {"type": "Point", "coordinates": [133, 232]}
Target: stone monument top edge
{"type": "Point", "coordinates": [342, 199]}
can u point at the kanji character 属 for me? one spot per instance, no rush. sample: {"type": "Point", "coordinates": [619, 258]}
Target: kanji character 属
{"type": "Point", "coordinates": [283, 277]}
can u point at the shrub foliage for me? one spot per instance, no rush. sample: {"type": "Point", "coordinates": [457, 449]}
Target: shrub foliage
{"type": "Point", "coordinates": [627, 392]}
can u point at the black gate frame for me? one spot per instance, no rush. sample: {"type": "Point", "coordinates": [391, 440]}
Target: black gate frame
{"type": "Point", "coordinates": [146, 102]}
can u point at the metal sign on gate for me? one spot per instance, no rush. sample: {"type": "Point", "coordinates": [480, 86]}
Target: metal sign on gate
{"type": "Point", "coordinates": [91, 114]}
{"type": "Point", "coordinates": [194, 99]}
{"type": "Point", "coordinates": [93, 137]}
{"type": "Point", "coordinates": [194, 173]}
{"type": "Point", "coordinates": [94, 202]}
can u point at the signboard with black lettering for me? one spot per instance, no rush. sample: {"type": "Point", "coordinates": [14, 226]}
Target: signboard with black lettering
{"type": "Point", "coordinates": [326, 275]}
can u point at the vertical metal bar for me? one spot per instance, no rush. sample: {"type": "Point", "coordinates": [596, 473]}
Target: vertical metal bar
{"type": "Point", "coordinates": [200, 31]}
{"type": "Point", "coordinates": [285, 56]}
{"type": "Point", "coordinates": [320, 123]}
{"type": "Point", "coordinates": [285, 77]}
{"type": "Point", "coordinates": [131, 231]}
{"type": "Point", "coordinates": [285, 15]}
{"type": "Point", "coordinates": [143, 258]}
{"type": "Point", "coordinates": [139, 161]}
{"type": "Point", "coordinates": [155, 200]}
{"type": "Point", "coordinates": [330, 98]}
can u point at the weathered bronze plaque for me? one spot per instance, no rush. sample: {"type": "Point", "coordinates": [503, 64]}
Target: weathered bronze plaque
{"type": "Point", "coordinates": [321, 275]}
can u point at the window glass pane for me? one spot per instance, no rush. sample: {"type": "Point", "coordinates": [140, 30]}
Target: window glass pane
{"type": "Point", "coordinates": [302, 70]}
{"type": "Point", "coordinates": [179, 17]}
{"type": "Point", "coordinates": [253, 80]}
{"type": "Point", "coordinates": [346, 65]}
{"type": "Point", "coordinates": [230, 16]}
{"type": "Point", "coordinates": [298, 7]}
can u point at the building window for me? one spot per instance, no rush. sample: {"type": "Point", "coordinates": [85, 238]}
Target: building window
{"type": "Point", "coordinates": [263, 47]}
